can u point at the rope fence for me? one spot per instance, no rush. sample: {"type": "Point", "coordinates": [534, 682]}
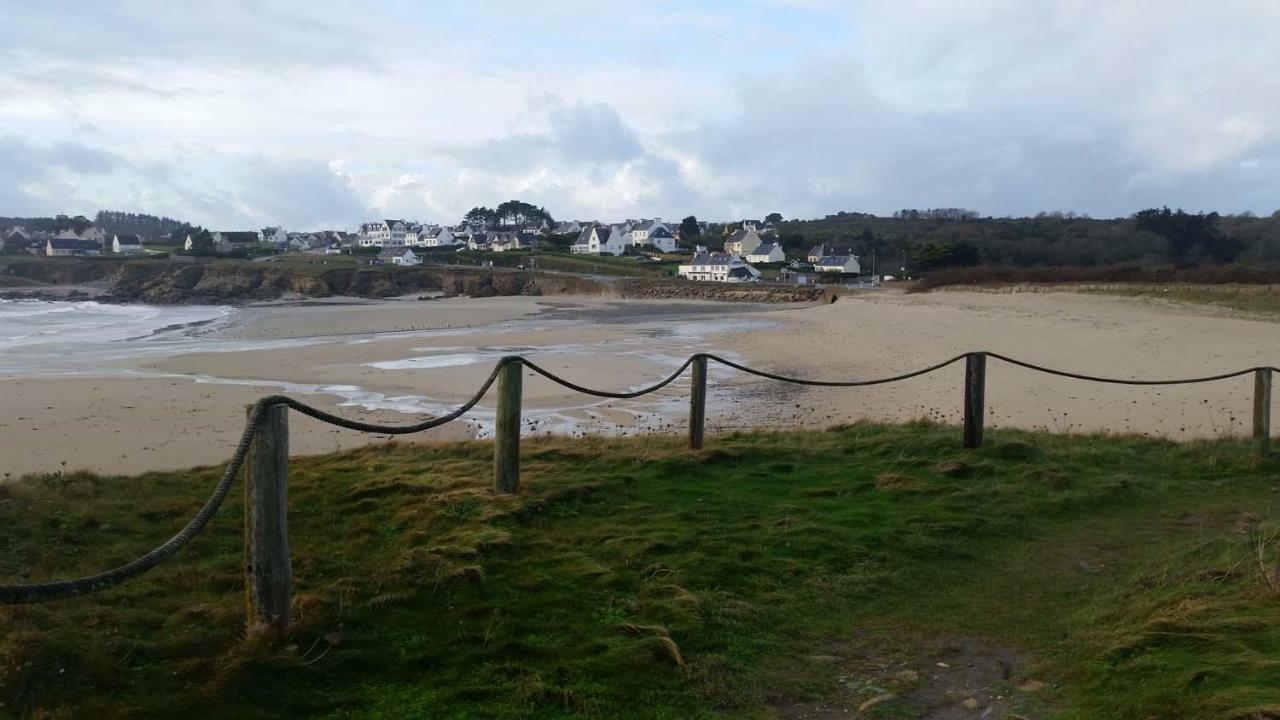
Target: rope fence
{"type": "Point", "coordinates": [263, 451]}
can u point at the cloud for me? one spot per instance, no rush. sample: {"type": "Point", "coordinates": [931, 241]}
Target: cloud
{"type": "Point", "coordinates": [277, 111]}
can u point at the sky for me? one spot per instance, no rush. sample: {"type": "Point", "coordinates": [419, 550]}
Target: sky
{"type": "Point", "coordinates": [312, 114]}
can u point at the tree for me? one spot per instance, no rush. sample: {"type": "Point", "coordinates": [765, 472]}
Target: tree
{"type": "Point", "coordinates": [201, 242]}
{"type": "Point", "coordinates": [516, 212]}
{"type": "Point", "coordinates": [481, 216]}
{"type": "Point", "coordinates": [773, 217]}
{"type": "Point", "coordinates": [689, 228]}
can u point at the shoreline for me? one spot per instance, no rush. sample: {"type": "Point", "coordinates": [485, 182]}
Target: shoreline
{"type": "Point", "coordinates": [396, 361]}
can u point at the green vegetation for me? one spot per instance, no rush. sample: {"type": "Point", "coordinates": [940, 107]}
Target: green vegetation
{"type": "Point", "coordinates": [633, 578]}
{"type": "Point", "coordinates": [947, 238]}
{"type": "Point", "coordinates": [1262, 301]}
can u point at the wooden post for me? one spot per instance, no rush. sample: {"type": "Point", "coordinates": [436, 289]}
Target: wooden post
{"type": "Point", "coordinates": [698, 402]}
{"type": "Point", "coordinates": [506, 430]}
{"type": "Point", "coordinates": [975, 389]}
{"type": "Point", "coordinates": [268, 569]}
{"type": "Point", "coordinates": [1261, 411]}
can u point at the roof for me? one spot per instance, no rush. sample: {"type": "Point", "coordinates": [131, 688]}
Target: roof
{"type": "Point", "coordinates": [825, 249]}
{"type": "Point", "coordinates": [765, 248]}
{"type": "Point", "coordinates": [662, 231]}
{"type": "Point", "coordinates": [128, 239]}
{"type": "Point", "coordinates": [834, 260]}
{"type": "Point", "coordinates": [715, 258]}
{"type": "Point", "coordinates": [68, 244]}
{"type": "Point", "coordinates": [238, 237]}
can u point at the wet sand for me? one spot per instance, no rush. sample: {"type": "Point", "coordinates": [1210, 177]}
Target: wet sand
{"type": "Point", "coordinates": [180, 410]}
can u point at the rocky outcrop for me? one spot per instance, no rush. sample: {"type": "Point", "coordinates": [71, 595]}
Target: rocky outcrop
{"type": "Point", "coordinates": [173, 282]}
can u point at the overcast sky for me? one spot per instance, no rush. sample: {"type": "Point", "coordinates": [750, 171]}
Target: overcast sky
{"type": "Point", "coordinates": [320, 114]}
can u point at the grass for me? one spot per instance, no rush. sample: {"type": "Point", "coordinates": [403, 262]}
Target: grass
{"type": "Point", "coordinates": [1260, 300]}
{"type": "Point", "coordinates": [632, 578]}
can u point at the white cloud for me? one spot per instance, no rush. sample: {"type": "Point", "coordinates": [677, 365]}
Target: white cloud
{"type": "Point", "coordinates": [283, 112]}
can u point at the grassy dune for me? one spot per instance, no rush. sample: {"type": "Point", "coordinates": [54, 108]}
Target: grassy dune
{"type": "Point", "coordinates": [772, 575]}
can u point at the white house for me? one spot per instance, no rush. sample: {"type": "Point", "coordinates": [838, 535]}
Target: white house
{"type": "Point", "coordinates": [767, 253]}
{"type": "Point", "coordinates": [386, 233]}
{"type": "Point", "coordinates": [442, 238]}
{"type": "Point", "coordinates": [504, 241]}
{"type": "Point", "coordinates": [743, 242]}
{"type": "Point", "coordinates": [652, 232]}
{"type": "Point", "coordinates": [63, 247]}
{"type": "Point", "coordinates": [400, 256]}
{"type": "Point", "coordinates": [718, 267]}
{"type": "Point", "coordinates": [846, 264]}
{"type": "Point", "coordinates": [274, 235]}
{"type": "Point", "coordinates": [127, 245]}
{"type": "Point", "coordinates": [600, 240]}
{"type": "Point", "coordinates": [478, 241]}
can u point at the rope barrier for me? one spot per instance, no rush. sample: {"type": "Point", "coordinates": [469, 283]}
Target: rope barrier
{"type": "Point", "coordinates": [45, 592]}
{"type": "Point", "coordinates": [605, 393]}
{"type": "Point", "coordinates": [1123, 381]}
{"type": "Point", "coordinates": [833, 383]}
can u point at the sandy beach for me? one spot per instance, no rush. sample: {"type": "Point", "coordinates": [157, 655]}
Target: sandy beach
{"type": "Point", "coordinates": [177, 399]}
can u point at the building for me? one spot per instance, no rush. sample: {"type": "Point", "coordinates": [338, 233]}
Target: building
{"type": "Point", "coordinates": [718, 267]}
{"type": "Point", "coordinates": [844, 264]}
{"type": "Point", "coordinates": [90, 233]}
{"type": "Point", "coordinates": [818, 252]}
{"type": "Point", "coordinates": [387, 233]}
{"type": "Point", "coordinates": [504, 241]}
{"type": "Point", "coordinates": [444, 237]}
{"type": "Point", "coordinates": [64, 247]}
{"type": "Point", "coordinates": [651, 233]}
{"type": "Point", "coordinates": [770, 252]}
{"type": "Point", "coordinates": [600, 240]}
{"type": "Point", "coordinates": [400, 256]}
{"type": "Point", "coordinates": [743, 242]}
{"type": "Point", "coordinates": [571, 227]}
{"type": "Point", "coordinates": [274, 236]}
{"type": "Point", "coordinates": [127, 245]}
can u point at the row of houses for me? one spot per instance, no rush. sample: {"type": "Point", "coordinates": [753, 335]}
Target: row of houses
{"type": "Point", "coordinates": [732, 266]}
{"type": "Point", "coordinates": [119, 245]}
{"type": "Point", "coordinates": [597, 239]}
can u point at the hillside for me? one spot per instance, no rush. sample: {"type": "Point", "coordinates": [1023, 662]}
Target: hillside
{"type": "Point", "coordinates": [795, 575]}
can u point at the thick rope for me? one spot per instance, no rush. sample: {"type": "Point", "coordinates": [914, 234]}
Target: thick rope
{"type": "Point", "coordinates": [606, 393]}
{"type": "Point", "coordinates": [1124, 381]}
{"type": "Point", "coordinates": [835, 383]}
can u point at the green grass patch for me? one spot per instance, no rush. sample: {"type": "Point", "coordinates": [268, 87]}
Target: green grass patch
{"type": "Point", "coordinates": [632, 578]}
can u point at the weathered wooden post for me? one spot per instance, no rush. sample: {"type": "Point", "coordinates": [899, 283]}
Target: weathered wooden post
{"type": "Point", "coordinates": [506, 429]}
{"type": "Point", "coordinates": [975, 390]}
{"type": "Point", "coordinates": [698, 402]}
{"type": "Point", "coordinates": [1261, 411]}
{"type": "Point", "coordinates": [268, 569]}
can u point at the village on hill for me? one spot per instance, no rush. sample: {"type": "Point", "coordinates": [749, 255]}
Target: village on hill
{"type": "Point", "coordinates": [729, 252]}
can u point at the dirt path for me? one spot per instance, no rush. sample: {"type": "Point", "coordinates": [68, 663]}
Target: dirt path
{"type": "Point", "coordinates": [942, 678]}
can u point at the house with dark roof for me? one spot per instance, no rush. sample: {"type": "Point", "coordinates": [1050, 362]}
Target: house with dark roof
{"type": "Point", "coordinates": [743, 242]}
{"type": "Point", "coordinates": [127, 245]}
{"type": "Point", "coordinates": [817, 252]}
{"type": "Point", "coordinates": [387, 233]}
{"type": "Point", "coordinates": [63, 247]}
{"type": "Point", "coordinates": [600, 240]}
{"type": "Point", "coordinates": [770, 252]}
{"type": "Point", "coordinates": [504, 241]}
{"type": "Point", "coordinates": [844, 264]}
{"type": "Point", "coordinates": [718, 267]}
